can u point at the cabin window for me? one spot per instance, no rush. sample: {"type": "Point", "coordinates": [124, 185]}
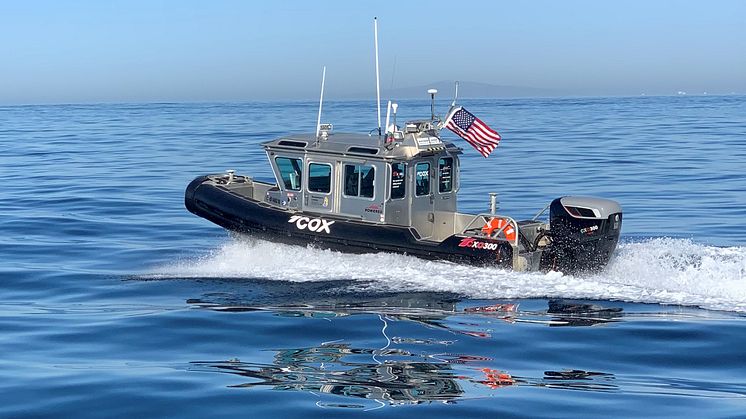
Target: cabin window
{"type": "Point", "coordinates": [359, 181]}
{"type": "Point", "coordinates": [422, 179]}
{"type": "Point", "coordinates": [291, 172]}
{"type": "Point", "coordinates": [319, 177]}
{"type": "Point", "coordinates": [445, 174]}
{"type": "Point", "coordinates": [398, 183]}
{"type": "Point", "coordinates": [352, 180]}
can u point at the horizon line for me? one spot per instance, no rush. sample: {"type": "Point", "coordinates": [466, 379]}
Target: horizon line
{"type": "Point", "coordinates": [355, 99]}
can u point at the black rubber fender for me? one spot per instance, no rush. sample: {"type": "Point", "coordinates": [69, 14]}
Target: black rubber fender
{"type": "Point", "coordinates": [189, 193]}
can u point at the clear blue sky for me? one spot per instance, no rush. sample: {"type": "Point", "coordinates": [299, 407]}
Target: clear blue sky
{"type": "Point", "coordinates": [135, 50]}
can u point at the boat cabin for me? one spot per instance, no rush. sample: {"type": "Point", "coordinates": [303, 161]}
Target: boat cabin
{"type": "Point", "coordinates": [408, 179]}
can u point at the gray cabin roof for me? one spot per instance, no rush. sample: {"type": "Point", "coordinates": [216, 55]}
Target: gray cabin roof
{"type": "Point", "coordinates": [418, 139]}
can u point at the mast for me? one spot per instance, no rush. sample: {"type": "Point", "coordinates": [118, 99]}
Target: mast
{"type": "Point", "coordinates": [321, 102]}
{"type": "Point", "coordinates": [378, 78]}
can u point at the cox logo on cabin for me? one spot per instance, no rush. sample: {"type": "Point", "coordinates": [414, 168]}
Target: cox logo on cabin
{"type": "Point", "coordinates": [317, 225]}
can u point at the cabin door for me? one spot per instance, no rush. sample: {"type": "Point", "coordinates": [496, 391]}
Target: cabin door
{"type": "Point", "coordinates": [423, 199]}
{"type": "Point", "coordinates": [319, 196]}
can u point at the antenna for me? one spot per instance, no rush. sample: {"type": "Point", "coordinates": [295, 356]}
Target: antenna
{"type": "Point", "coordinates": [378, 78]}
{"type": "Point", "coordinates": [394, 106]}
{"type": "Point", "coordinates": [388, 118]}
{"type": "Point", "coordinates": [321, 102]}
{"type": "Point", "coordinates": [432, 93]}
{"type": "Point", "coordinates": [455, 95]}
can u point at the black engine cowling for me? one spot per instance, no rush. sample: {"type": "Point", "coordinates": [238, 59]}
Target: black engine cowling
{"type": "Point", "coordinates": [584, 233]}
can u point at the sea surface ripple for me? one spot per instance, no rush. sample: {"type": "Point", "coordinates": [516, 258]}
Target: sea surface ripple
{"type": "Point", "coordinates": [115, 301]}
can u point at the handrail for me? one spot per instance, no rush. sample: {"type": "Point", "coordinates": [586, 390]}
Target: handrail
{"type": "Point", "coordinates": [485, 218]}
{"type": "Point", "coordinates": [538, 214]}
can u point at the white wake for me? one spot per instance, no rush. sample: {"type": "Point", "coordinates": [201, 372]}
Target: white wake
{"type": "Point", "coordinates": [660, 270]}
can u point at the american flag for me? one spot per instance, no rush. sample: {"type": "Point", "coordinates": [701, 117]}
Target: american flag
{"type": "Point", "coordinates": [473, 130]}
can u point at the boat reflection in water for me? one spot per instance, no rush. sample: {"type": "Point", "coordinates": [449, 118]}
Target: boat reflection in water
{"type": "Point", "coordinates": [581, 313]}
{"type": "Point", "coordinates": [429, 308]}
{"type": "Point", "coordinates": [325, 369]}
{"type": "Point", "coordinates": [397, 374]}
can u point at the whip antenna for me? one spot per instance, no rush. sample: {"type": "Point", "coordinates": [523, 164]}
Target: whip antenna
{"type": "Point", "coordinates": [378, 78]}
{"type": "Point", "coordinates": [321, 102]}
{"type": "Point", "coordinates": [388, 118]}
{"type": "Point", "coordinates": [432, 93]}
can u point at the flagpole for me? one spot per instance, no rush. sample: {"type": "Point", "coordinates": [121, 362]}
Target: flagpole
{"type": "Point", "coordinates": [449, 115]}
{"type": "Point", "coordinates": [451, 110]}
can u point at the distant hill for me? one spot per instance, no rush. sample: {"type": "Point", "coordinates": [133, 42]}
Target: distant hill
{"type": "Point", "coordinates": [467, 89]}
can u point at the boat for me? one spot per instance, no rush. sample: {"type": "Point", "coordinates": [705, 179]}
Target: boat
{"type": "Point", "coordinates": [396, 191]}
{"type": "Point", "coordinates": [352, 193]}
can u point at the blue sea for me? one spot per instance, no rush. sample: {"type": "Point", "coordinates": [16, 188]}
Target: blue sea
{"type": "Point", "coordinates": [117, 302]}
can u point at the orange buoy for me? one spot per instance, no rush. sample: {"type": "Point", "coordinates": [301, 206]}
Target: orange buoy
{"type": "Point", "coordinates": [496, 224]}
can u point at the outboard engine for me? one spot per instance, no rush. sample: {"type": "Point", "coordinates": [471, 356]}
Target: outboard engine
{"type": "Point", "coordinates": [584, 233]}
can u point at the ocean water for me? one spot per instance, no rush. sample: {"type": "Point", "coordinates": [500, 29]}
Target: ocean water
{"type": "Point", "coordinates": [117, 302]}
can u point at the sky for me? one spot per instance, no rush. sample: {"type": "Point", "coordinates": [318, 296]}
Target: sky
{"type": "Point", "coordinates": [159, 51]}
